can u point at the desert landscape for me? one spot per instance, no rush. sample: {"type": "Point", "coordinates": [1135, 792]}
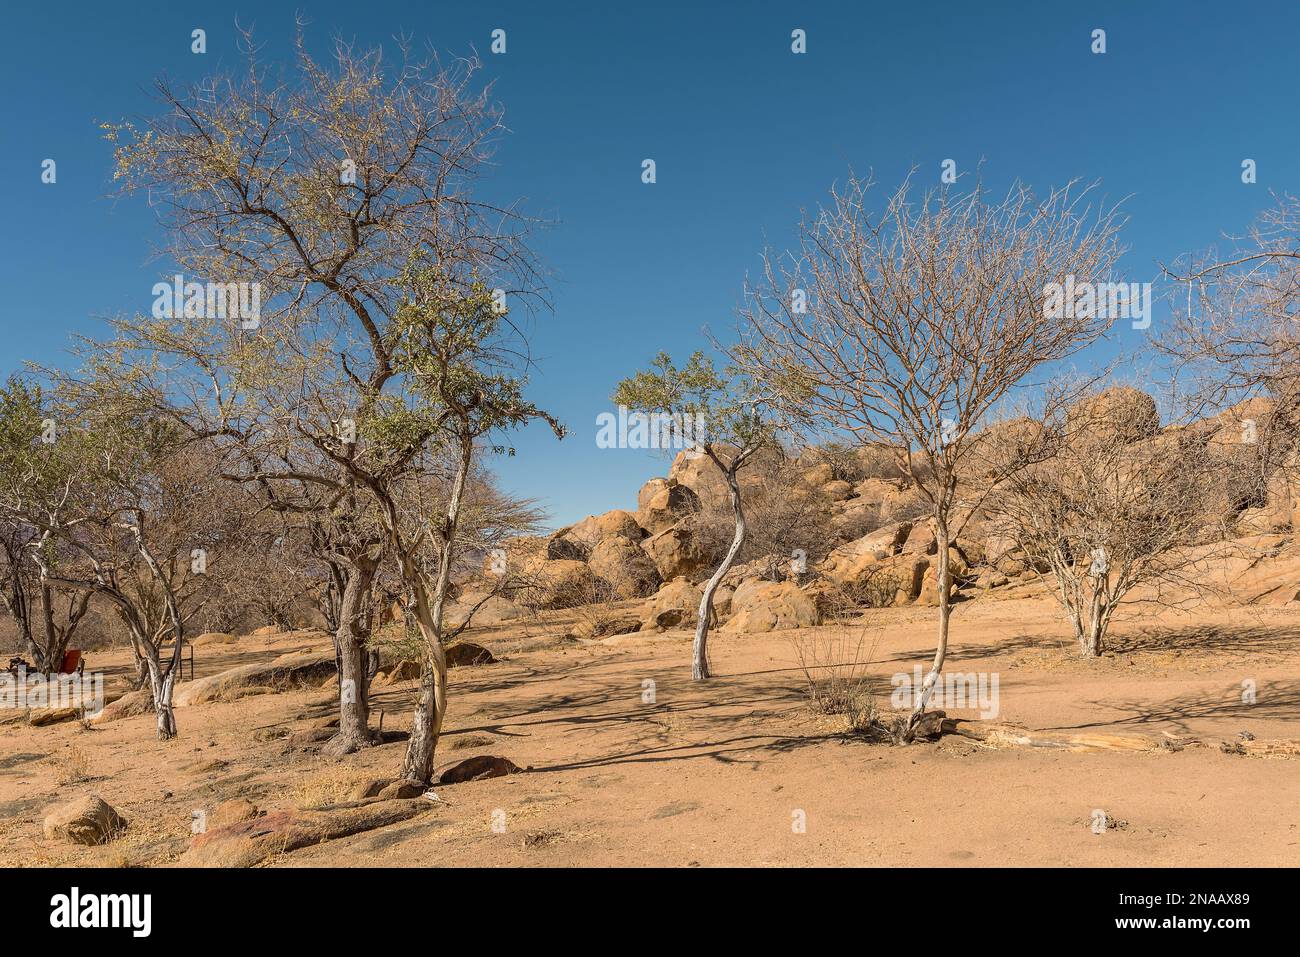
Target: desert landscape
{"type": "Point", "coordinates": [774, 444]}
{"type": "Point", "coordinates": [713, 774]}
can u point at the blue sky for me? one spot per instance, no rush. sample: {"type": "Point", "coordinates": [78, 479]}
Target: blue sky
{"type": "Point", "coordinates": [744, 134]}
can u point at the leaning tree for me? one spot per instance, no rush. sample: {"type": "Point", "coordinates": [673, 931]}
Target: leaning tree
{"type": "Point", "coordinates": [910, 324]}
{"type": "Point", "coordinates": [731, 423]}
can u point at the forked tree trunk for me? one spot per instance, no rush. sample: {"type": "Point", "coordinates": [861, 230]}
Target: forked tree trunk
{"type": "Point", "coordinates": [160, 686]}
{"type": "Point", "coordinates": [942, 574]}
{"type": "Point", "coordinates": [350, 650]}
{"type": "Point", "coordinates": [431, 708]}
{"type": "Point", "coordinates": [700, 650]}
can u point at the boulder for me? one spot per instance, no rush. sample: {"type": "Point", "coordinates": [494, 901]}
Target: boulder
{"type": "Point", "coordinates": [848, 562]}
{"type": "Point", "coordinates": [487, 610]}
{"type": "Point", "coordinates": [676, 551]}
{"type": "Point", "coordinates": [130, 705]}
{"type": "Point", "coordinates": [920, 540]}
{"type": "Point", "coordinates": [604, 627]}
{"type": "Point", "coordinates": [1124, 411]}
{"type": "Point", "coordinates": [895, 580]}
{"type": "Point", "coordinates": [477, 768]}
{"type": "Point", "coordinates": [214, 638]}
{"type": "Point", "coordinates": [466, 654]}
{"type": "Point", "coordinates": [562, 546]}
{"type": "Point", "coordinates": [675, 605]}
{"type": "Point", "coordinates": [400, 790]}
{"type": "Point", "coordinates": [406, 670]}
{"type": "Point", "coordinates": [894, 500]}
{"type": "Point", "coordinates": [612, 524]}
{"type": "Point", "coordinates": [759, 606]}
{"type": "Point", "coordinates": [518, 553]}
{"type": "Point", "coordinates": [626, 566]}
{"type": "Point", "coordinates": [957, 569]}
{"type": "Point", "coordinates": [669, 505]}
{"type": "Point", "coordinates": [232, 812]}
{"type": "Point", "coordinates": [558, 584]}
{"type": "Point", "coordinates": [248, 843]}
{"type": "Point", "coordinates": [369, 788]}
{"type": "Point", "coordinates": [819, 475]}
{"type": "Point", "coordinates": [649, 490]}
{"type": "Point", "coordinates": [87, 820]}
{"type": "Point", "coordinates": [837, 490]}
{"type": "Point", "coordinates": [283, 674]}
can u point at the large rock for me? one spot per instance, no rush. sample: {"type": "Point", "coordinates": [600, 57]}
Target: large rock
{"type": "Point", "coordinates": [477, 768]}
{"type": "Point", "coordinates": [920, 540]}
{"type": "Point", "coordinates": [214, 638]}
{"type": "Point", "coordinates": [957, 570]}
{"type": "Point", "coordinates": [559, 584]}
{"type": "Point", "coordinates": [676, 551]}
{"type": "Point", "coordinates": [759, 606]}
{"type": "Point", "coordinates": [675, 605]}
{"type": "Point", "coordinates": [283, 674]}
{"type": "Point", "coordinates": [837, 490]}
{"type": "Point", "coordinates": [130, 705]}
{"type": "Point", "coordinates": [895, 500]}
{"type": "Point", "coordinates": [626, 566]}
{"type": "Point", "coordinates": [847, 562]}
{"type": "Point", "coordinates": [514, 554]}
{"type": "Point", "coordinates": [487, 610]}
{"type": "Point", "coordinates": [87, 820]}
{"type": "Point", "coordinates": [1124, 411]}
{"type": "Point", "coordinates": [250, 842]}
{"type": "Point", "coordinates": [234, 811]}
{"type": "Point", "coordinates": [667, 506]}
{"type": "Point", "coordinates": [579, 540]}
{"type": "Point", "coordinates": [466, 654]}
{"type": "Point", "coordinates": [878, 582]}
{"type": "Point", "coordinates": [613, 524]}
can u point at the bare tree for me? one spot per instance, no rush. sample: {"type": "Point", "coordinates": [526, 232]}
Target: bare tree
{"type": "Point", "coordinates": [909, 326]}
{"type": "Point", "coordinates": [1105, 515]}
{"type": "Point", "coordinates": [1234, 331]}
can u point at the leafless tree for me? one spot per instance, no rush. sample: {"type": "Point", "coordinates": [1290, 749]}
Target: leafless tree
{"type": "Point", "coordinates": [1234, 331]}
{"type": "Point", "coordinates": [909, 326]}
{"type": "Point", "coordinates": [1105, 516]}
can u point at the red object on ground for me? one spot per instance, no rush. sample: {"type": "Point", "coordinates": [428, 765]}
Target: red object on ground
{"type": "Point", "coordinates": [71, 659]}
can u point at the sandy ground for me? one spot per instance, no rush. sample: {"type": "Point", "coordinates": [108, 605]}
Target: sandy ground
{"type": "Point", "coordinates": [720, 773]}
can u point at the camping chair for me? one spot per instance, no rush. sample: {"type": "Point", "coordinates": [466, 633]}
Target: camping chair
{"type": "Point", "coordinates": [73, 663]}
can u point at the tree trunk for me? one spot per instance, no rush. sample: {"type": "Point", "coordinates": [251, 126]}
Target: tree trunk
{"type": "Point", "coordinates": [160, 687]}
{"type": "Point", "coordinates": [431, 709]}
{"type": "Point", "coordinates": [945, 611]}
{"type": "Point", "coordinates": [700, 650]}
{"type": "Point", "coordinates": [350, 649]}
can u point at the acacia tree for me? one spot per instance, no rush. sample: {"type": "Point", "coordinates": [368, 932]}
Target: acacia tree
{"type": "Point", "coordinates": [144, 516]}
{"type": "Point", "coordinates": [317, 191]}
{"type": "Point", "coordinates": [34, 479]}
{"type": "Point", "coordinates": [1105, 515]}
{"type": "Point", "coordinates": [728, 422]}
{"type": "Point", "coordinates": [463, 387]}
{"type": "Point", "coordinates": [909, 325]}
